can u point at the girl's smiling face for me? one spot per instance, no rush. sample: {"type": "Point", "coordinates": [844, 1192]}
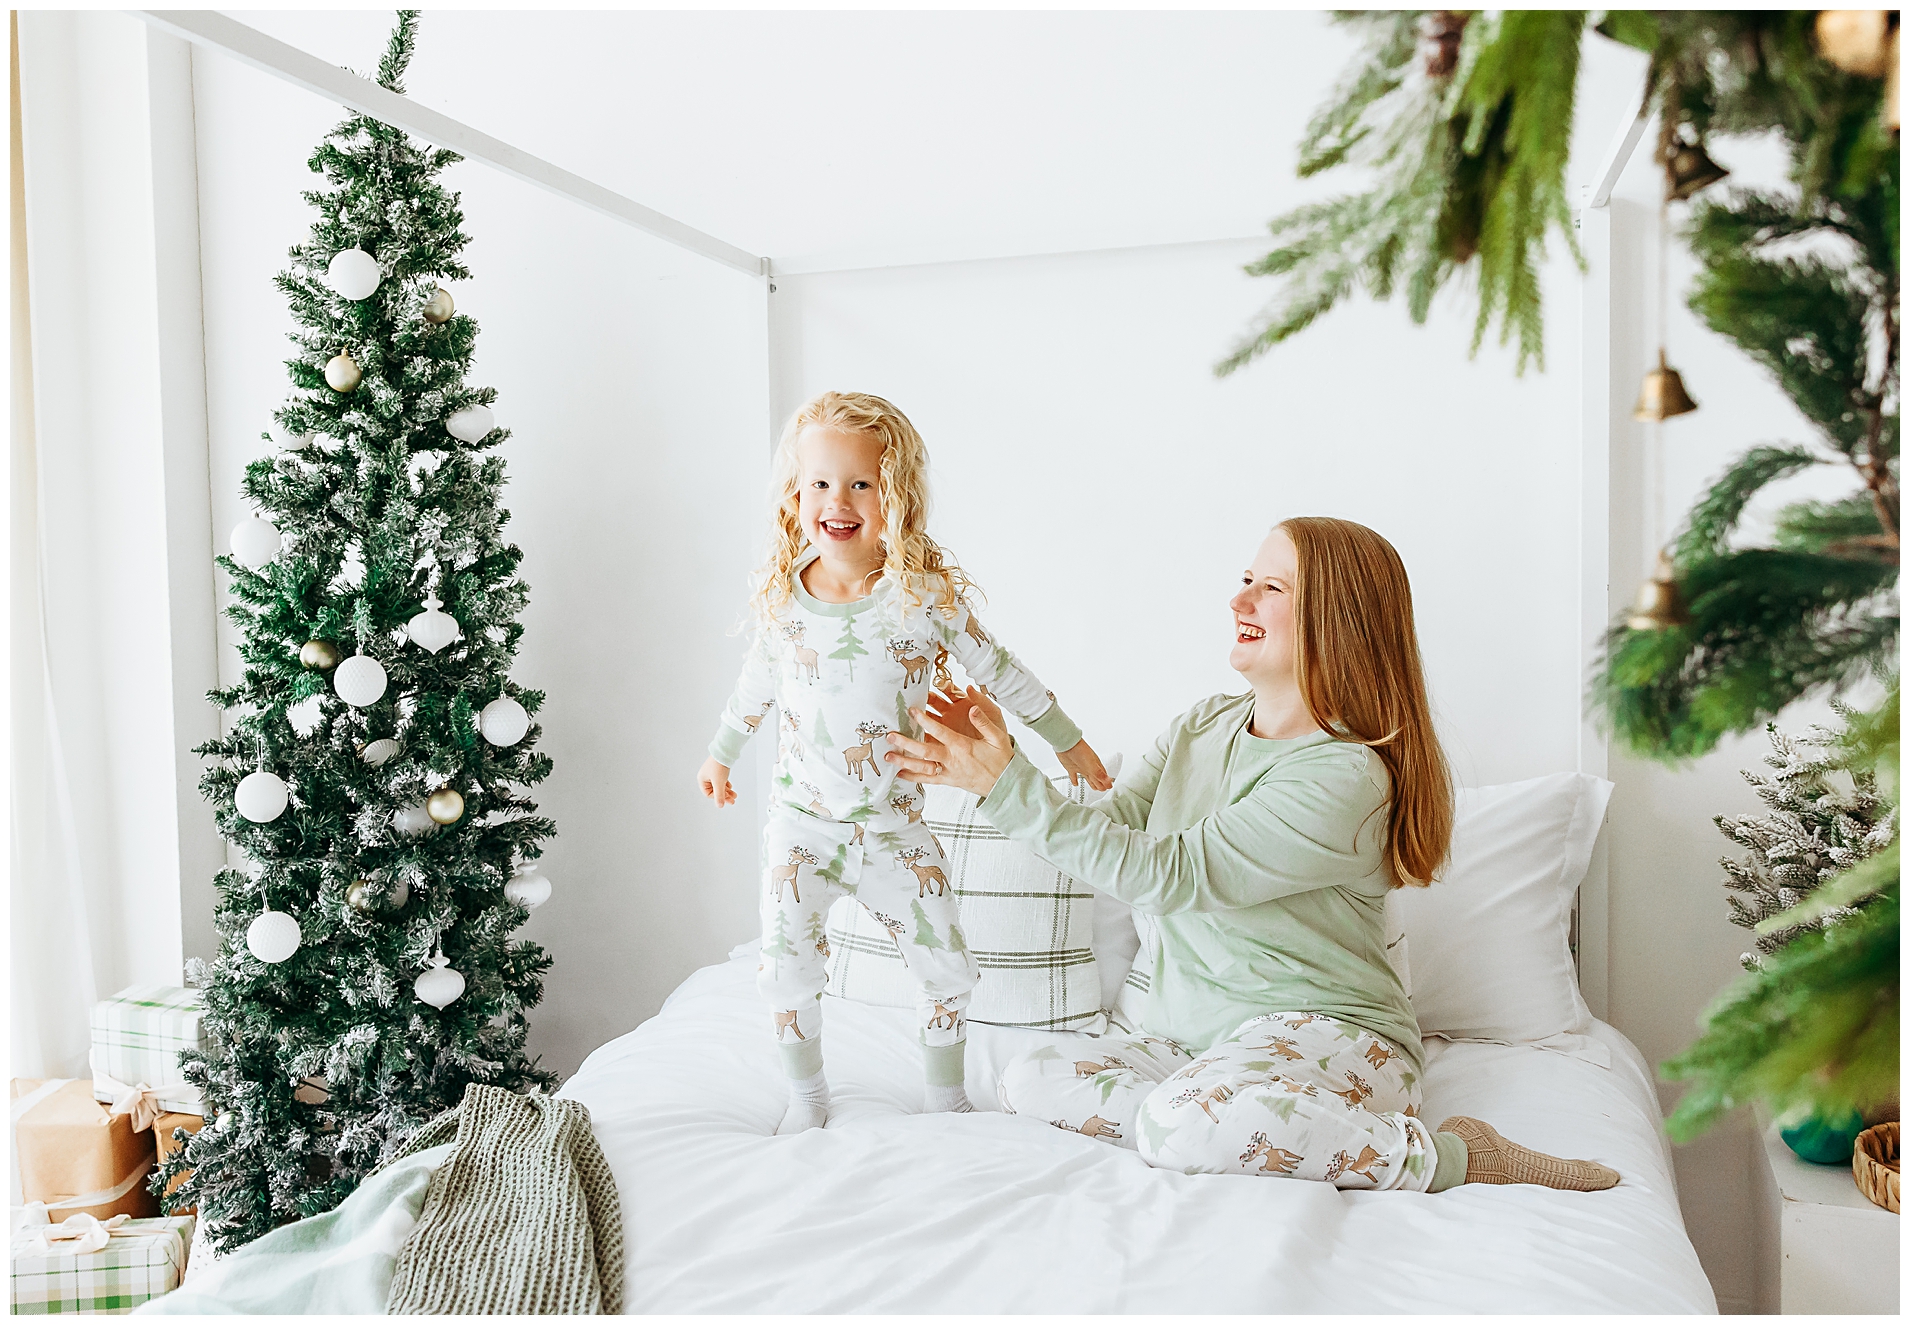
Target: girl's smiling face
{"type": "Point", "coordinates": [1263, 613]}
{"type": "Point", "coordinates": [839, 494]}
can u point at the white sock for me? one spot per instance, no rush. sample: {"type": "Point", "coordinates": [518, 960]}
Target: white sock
{"type": "Point", "coordinates": [946, 1099]}
{"type": "Point", "coordinates": [808, 1105]}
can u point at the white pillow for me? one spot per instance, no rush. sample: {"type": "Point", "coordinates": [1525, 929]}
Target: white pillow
{"type": "Point", "coordinates": [1030, 927]}
{"type": "Point", "coordinates": [1491, 940]}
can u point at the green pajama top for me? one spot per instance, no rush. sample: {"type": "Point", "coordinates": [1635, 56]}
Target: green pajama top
{"type": "Point", "coordinates": [1261, 860]}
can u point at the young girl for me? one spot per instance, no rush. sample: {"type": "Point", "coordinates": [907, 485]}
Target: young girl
{"type": "Point", "coordinates": [855, 607]}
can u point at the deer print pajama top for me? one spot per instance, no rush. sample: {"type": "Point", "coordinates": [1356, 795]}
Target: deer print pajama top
{"type": "Point", "coordinates": [840, 677]}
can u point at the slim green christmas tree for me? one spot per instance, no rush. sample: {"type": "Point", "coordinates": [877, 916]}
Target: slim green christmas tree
{"type": "Point", "coordinates": [366, 971]}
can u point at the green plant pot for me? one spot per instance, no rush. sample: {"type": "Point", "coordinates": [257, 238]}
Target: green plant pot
{"type": "Point", "coordinates": [1824, 1138]}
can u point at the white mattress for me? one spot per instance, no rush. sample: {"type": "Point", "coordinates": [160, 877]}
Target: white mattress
{"type": "Point", "coordinates": [888, 1209]}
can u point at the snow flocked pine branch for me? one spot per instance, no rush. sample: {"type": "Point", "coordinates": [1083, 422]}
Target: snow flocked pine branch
{"type": "Point", "coordinates": [1824, 818]}
{"type": "Point", "coordinates": [375, 746]}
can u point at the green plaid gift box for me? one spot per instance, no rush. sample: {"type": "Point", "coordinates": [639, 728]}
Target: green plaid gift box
{"type": "Point", "coordinates": [137, 1036]}
{"type": "Point", "coordinates": [146, 1258]}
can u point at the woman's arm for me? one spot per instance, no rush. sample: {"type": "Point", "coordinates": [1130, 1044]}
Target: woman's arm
{"type": "Point", "coordinates": [1289, 835]}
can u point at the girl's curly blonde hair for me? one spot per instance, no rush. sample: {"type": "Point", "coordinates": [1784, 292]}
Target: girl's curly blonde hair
{"type": "Point", "coordinates": [913, 561]}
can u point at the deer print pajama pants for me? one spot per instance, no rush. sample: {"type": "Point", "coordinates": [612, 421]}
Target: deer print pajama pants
{"type": "Point", "coordinates": [1288, 1094]}
{"type": "Point", "coordinates": [897, 871]}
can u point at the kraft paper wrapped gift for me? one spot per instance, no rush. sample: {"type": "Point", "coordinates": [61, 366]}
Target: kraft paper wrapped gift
{"type": "Point", "coordinates": [137, 1036]}
{"type": "Point", "coordinates": [141, 1259]}
{"type": "Point", "coordinates": [76, 1156]}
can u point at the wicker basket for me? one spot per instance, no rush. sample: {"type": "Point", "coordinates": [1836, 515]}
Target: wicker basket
{"type": "Point", "coordinates": [1877, 1166]}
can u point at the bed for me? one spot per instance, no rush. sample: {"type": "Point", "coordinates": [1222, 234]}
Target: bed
{"type": "Point", "coordinates": [888, 1209]}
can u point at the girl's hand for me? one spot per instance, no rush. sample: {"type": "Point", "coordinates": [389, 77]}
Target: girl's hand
{"type": "Point", "coordinates": [948, 758]}
{"type": "Point", "coordinates": [1082, 763]}
{"type": "Point", "coordinates": [714, 778]}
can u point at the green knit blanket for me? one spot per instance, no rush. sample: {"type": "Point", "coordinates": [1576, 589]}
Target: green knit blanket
{"type": "Point", "coordinates": [521, 1219]}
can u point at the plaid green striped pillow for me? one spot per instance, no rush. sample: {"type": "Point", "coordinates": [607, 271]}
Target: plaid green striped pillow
{"type": "Point", "coordinates": [1030, 926]}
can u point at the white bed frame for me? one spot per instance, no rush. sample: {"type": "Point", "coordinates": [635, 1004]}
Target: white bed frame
{"type": "Point", "coordinates": [1604, 560]}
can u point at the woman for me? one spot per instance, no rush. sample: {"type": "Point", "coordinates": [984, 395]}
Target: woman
{"type": "Point", "coordinates": [1261, 835]}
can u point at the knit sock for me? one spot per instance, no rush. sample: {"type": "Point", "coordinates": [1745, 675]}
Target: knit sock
{"type": "Point", "coordinates": [1492, 1158]}
{"type": "Point", "coordinates": [944, 1068]}
{"type": "Point", "coordinates": [808, 1089]}
{"type": "Point", "coordinates": [808, 1105]}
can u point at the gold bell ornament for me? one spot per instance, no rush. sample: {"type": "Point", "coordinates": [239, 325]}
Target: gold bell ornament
{"type": "Point", "coordinates": [439, 308]}
{"type": "Point", "coordinates": [1662, 395]}
{"type": "Point", "coordinates": [445, 806]}
{"type": "Point", "coordinates": [1690, 170]}
{"type": "Point", "coordinates": [1660, 605]}
{"type": "Point", "coordinates": [343, 374]}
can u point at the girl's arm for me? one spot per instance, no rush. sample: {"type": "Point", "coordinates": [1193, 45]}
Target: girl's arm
{"type": "Point", "coordinates": [1290, 834]}
{"type": "Point", "coordinates": [1014, 687]}
{"type": "Point", "coordinates": [749, 704]}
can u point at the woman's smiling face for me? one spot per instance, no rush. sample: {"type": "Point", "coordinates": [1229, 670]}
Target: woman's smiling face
{"type": "Point", "coordinates": [1263, 612]}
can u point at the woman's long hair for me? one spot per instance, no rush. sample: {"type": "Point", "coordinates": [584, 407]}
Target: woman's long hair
{"type": "Point", "coordinates": [917, 565]}
{"type": "Point", "coordinates": [1356, 656]}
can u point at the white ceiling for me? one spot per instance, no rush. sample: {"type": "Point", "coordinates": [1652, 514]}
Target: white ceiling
{"type": "Point", "coordinates": [851, 139]}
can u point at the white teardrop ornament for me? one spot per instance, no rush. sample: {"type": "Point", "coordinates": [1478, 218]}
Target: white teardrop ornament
{"type": "Point", "coordinates": [471, 424]}
{"type": "Point", "coordinates": [440, 986]}
{"type": "Point", "coordinates": [380, 751]}
{"type": "Point", "coordinates": [527, 888]}
{"type": "Point", "coordinates": [431, 630]}
{"type": "Point", "coordinates": [413, 821]}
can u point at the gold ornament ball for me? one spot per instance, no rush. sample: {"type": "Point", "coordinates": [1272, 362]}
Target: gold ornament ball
{"type": "Point", "coordinates": [439, 308]}
{"type": "Point", "coordinates": [343, 374]}
{"type": "Point", "coordinates": [445, 806]}
{"type": "Point", "coordinates": [1855, 40]}
{"type": "Point", "coordinates": [319, 654]}
{"type": "Point", "coordinates": [359, 897]}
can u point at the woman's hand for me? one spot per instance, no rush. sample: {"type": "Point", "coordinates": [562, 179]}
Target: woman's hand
{"type": "Point", "coordinates": [714, 779]}
{"type": "Point", "coordinates": [1081, 763]}
{"type": "Point", "coordinates": [949, 757]}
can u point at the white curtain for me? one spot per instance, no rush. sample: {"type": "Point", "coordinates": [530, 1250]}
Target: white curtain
{"type": "Point", "coordinates": [93, 807]}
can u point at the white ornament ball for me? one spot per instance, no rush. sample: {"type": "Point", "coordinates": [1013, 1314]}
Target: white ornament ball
{"type": "Point", "coordinates": [440, 986]}
{"type": "Point", "coordinates": [354, 274]}
{"type": "Point", "coordinates": [431, 630]}
{"type": "Point", "coordinates": [224, 1121]}
{"type": "Point", "coordinates": [359, 680]}
{"type": "Point", "coordinates": [285, 437]}
{"type": "Point", "coordinates": [470, 424]}
{"type": "Point", "coordinates": [380, 751]}
{"type": "Point", "coordinates": [413, 821]}
{"type": "Point", "coordinates": [262, 796]}
{"type": "Point", "coordinates": [503, 721]}
{"type": "Point", "coordinates": [273, 937]}
{"type": "Point", "coordinates": [527, 888]}
{"type": "Point", "coordinates": [255, 542]}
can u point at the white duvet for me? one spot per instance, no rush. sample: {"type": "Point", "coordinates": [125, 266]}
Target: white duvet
{"type": "Point", "coordinates": [888, 1209]}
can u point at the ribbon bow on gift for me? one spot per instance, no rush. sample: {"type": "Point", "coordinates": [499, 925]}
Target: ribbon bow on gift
{"type": "Point", "coordinates": [77, 1235]}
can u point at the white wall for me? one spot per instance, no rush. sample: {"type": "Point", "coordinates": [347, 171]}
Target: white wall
{"type": "Point", "coordinates": [1107, 490]}
{"type": "Point", "coordinates": [632, 375]}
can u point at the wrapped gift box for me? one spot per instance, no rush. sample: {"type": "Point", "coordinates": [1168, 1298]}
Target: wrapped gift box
{"type": "Point", "coordinates": [163, 1129]}
{"type": "Point", "coordinates": [137, 1036]}
{"type": "Point", "coordinates": [143, 1259]}
{"type": "Point", "coordinates": [76, 1156]}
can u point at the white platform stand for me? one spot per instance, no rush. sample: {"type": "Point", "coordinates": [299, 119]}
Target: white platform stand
{"type": "Point", "coordinates": [1823, 1248]}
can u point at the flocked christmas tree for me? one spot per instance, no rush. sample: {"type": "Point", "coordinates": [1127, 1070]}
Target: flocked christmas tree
{"type": "Point", "coordinates": [376, 748]}
{"type": "Point", "coordinates": [1824, 818]}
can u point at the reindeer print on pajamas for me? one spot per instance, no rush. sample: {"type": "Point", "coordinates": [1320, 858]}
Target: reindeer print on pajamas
{"type": "Point", "coordinates": [1287, 1095]}
{"type": "Point", "coordinates": [844, 676]}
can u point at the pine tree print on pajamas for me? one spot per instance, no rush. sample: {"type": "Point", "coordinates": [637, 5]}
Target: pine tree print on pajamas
{"type": "Point", "coordinates": [1287, 1095]}
{"type": "Point", "coordinates": [844, 675]}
